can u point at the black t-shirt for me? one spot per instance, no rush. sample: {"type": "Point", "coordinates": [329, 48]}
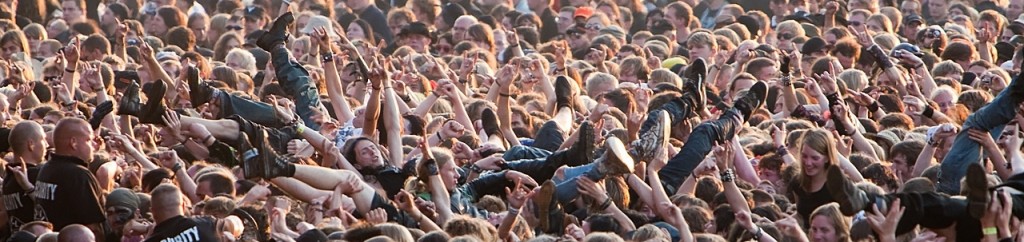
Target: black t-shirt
{"type": "Point", "coordinates": [807, 202]}
{"type": "Point", "coordinates": [68, 193]}
{"type": "Point", "coordinates": [21, 209]}
{"type": "Point", "coordinates": [182, 229]}
{"type": "Point", "coordinates": [392, 178]}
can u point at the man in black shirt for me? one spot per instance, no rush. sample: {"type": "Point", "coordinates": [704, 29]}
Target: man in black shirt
{"type": "Point", "coordinates": [548, 18]}
{"type": "Point", "coordinates": [171, 223]}
{"type": "Point", "coordinates": [28, 142]}
{"type": "Point", "coordinates": [65, 189]}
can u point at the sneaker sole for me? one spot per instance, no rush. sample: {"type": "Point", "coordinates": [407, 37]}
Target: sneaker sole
{"type": "Point", "coordinates": [543, 201]}
{"type": "Point", "coordinates": [619, 151]}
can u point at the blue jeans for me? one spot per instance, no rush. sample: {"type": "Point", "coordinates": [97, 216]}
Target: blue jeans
{"type": "Point", "coordinates": [566, 190]}
{"type": "Point", "coordinates": [549, 137]}
{"type": "Point", "coordinates": [965, 151]}
{"type": "Point", "coordinates": [531, 161]}
{"type": "Point", "coordinates": [255, 111]}
{"type": "Point", "coordinates": [702, 139]}
{"type": "Point", "coordinates": [294, 79]}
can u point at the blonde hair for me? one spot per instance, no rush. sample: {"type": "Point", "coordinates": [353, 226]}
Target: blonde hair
{"type": "Point", "coordinates": [945, 68]}
{"type": "Point", "coordinates": [854, 79]}
{"type": "Point", "coordinates": [396, 232]}
{"type": "Point", "coordinates": [702, 39]}
{"type": "Point", "coordinates": [791, 26]}
{"type": "Point", "coordinates": [247, 61]}
{"type": "Point", "coordinates": [662, 75]}
{"type": "Point", "coordinates": [882, 20]}
{"type": "Point", "coordinates": [474, 227]}
{"type": "Point", "coordinates": [840, 223]}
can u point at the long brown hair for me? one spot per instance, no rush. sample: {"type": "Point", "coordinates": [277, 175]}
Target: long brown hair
{"type": "Point", "coordinates": [821, 141]}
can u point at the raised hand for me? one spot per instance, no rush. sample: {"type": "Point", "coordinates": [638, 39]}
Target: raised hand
{"type": "Point", "coordinates": [377, 216]}
{"type": "Point", "coordinates": [493, 162]}
{"type": "Point", "coordinates": [982, 137]}
{"type": "Point", "coordinates": [173, 123]}
{"type": "Point", "coordinates": [885, 224]}
{"type": "Point", "coordinates": [862, 36]}
{"type": "Point", "coordinates": [72, 54]}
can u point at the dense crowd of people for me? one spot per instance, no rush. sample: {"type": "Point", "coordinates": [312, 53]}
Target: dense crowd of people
{"type": "Point", "coordinates": [532, 120]}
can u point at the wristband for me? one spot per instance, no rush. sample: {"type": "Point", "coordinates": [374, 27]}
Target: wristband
{"type": "Point", "coordinates": [757, 235]}
{"type": "Point", "coordinates": [781, 151]}
{"type": "Point", "coordinates": [928, 111]}
{"type": "Point", "coordinates": [299, 129]}
{"type": "Point", "coordinates": [431, 166]}
{"type": "Point", "coordinates": [327, 57]}
{"type": "Point", "coordinates": [69, 70]}
{"type": "Point", "coordinates": [727, 175]}
{"type": "Point", "coordinates": [604, 205]}
{"type": "Point", "coordinates": [209, 139]}
{"type": "Point", "coordinates": [990, 231]}
{"type": "Point", "coordinates": [873, 107]}
{"type": "Point", "coordinates": [476, 168]}
{"type": "Point", "coordinates": [176, 168]}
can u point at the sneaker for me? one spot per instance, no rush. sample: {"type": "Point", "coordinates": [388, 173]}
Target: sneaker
{"type": "Point", "coordinates": [977, 190]}
{"type": "Point", "coordinates": [653, 138]}
{"type": "Point", "coordinates": [753, 100]}
{"type": "Point", "coordinates": [616, 160]}
{"type": "Point", "coordinates": [850, 198]}
{"type": "Point", "coordinates": [545, 201]}
{"type": "Point", "coordinates": [490, 122]}
{"type": "Point", "coordinates": [563, 93]}
{"type": "Point", "coordinates": [101, 112]}
{"type": "Point", "coordinates": [130, 103]}
{"type": "Point", "coordinates": [277, 34]}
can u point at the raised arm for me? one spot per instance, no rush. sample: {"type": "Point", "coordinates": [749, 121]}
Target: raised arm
{"type": "Point", "coordinates": [335, 91]}
{"type": "Point", "coordinates": [156, 71]}
{"type": "Point", "coordinates": [504, 81]}
{"type": "Point", "coordinates": [392, 120]}
{"type": "Point", "coordinates": [438, 191]}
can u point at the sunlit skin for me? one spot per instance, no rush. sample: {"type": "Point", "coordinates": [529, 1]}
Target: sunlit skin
{"type": "Point", "coordinates": [822, 230]}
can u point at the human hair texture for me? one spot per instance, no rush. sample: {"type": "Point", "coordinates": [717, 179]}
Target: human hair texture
{"type": "Point", "coordinates": [220, 182]}
{"type": "Point", "coordinates": [221, 48]}
{"type": "Point", "coordinates": [182, 37]}
{"type": "Point", "coordinates": [462, 225]}
{"type": "Point", "coordinates": [821, 141]}
{"type": "Point", "coordinates": [840, 224]}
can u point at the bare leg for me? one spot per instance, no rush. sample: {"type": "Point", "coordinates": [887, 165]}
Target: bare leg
{"type": "Point", "coordinates": [223, 129]}
{"type": "Point", "coordinates": [298, 189]}
{"type": "Point", "coordinates": [348, 182]}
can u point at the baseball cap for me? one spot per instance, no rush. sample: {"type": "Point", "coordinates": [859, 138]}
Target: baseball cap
{"type": "Point", "coordinates": [255, 12]}
{"type": "Point", "coordinates": [584, 12]}
{"type": "Point", "coordinates": [912, 19]}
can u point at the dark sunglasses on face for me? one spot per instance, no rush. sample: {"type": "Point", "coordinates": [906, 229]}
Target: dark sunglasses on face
{"type": "Point", "coordinates": [234, 27]}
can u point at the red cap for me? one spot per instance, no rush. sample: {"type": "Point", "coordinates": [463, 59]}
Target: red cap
{"type": "Point", "coordinates": [584, 12]}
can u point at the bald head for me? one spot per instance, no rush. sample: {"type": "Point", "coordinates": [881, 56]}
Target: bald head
{"type": "Point", "coordinates": [76, 233]}
{"type": "Point", "coordinates": [166, 202]}
{"type": "Point", "coordinates": [23, 133]}
{"type": "Point", "coordinates": [73, 137]}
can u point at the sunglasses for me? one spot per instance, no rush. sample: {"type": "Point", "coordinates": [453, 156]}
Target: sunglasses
{"type": "Point", "coordinates": [855, 23]}
{"type": "Point", "coordinates": [233, 27]}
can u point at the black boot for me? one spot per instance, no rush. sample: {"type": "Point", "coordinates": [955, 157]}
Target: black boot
{"type": "Point", "coordinates": [199, 91]}
{"type": "Point", "coordinates": [581, 152]}
{"type": "Point", "coordinates": [693, 89]}
{"type": "Point", "coordinates": [101, 112]}
{"type": "Point", "coordinates": [850, 198]}
{"type": "Point", "coordinates": [153, 111]}
{"type": "Point", "coordinates": [278, 33]}
{"type": "Point", "coordinates": [752, 100]}
{"type": "Point", "coordinates": [251, 167]}
{"type": "Point", "coordinates": [272, 164]}
{"type": "Point", "coordinates": [977, 190]}
{"type": "Point", "coordinates": [653, 137]}
{"type": "Point", "coordinates": [490, 122]}
{"type": "Point", "coordinates": [130, 103]}
{"type": "Point", "coordinates": [546, 203]}
{"type": "Point", "coordinates": [563, 93]}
